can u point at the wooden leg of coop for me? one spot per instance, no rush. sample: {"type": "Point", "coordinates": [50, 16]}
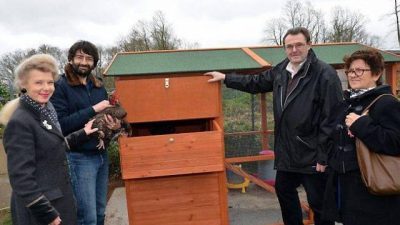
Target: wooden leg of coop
{"type": "Point", "coordinates": [306, 208]}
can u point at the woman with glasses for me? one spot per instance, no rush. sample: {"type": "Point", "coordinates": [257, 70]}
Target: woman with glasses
{"type": "Point", "coordinates": [379, 130]}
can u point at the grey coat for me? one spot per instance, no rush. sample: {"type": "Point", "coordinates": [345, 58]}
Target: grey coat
{"type": "Point", "coordinates": [38, 169]}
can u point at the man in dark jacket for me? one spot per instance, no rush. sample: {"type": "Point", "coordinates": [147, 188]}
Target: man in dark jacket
{"type": "Point", "coordinates": [305, 91]}
{"type": "Point", "coordinates": [78, 97]}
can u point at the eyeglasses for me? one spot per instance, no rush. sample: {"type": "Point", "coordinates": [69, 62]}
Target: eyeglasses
{"type": "Point", "coordinates": [357, 72]}
{"type": "Point", "coordinates": [295, 45]}
{"type": "Point", "coordinates": [81, 58]}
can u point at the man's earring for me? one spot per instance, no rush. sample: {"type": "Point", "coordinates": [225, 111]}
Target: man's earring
{"type": "Point", "coordinates": [23, 90]}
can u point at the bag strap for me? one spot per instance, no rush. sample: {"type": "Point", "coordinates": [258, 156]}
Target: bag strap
{"type": "Point", "coordinates": [365, 111]}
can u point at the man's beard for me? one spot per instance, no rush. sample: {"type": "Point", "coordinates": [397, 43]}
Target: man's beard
{"type": "Point", "coordinates": [81, 73]}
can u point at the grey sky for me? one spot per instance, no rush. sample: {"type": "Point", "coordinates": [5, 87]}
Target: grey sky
{"type": "Point", "coordinates": [211, 23]}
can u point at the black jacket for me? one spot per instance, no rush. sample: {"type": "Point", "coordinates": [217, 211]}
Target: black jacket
{"type": "Point", "coordinates": [38, 169]}
{"type": "Point", "coordinates": [303, 119]}
{"type": "Point", "coordinates": [379, 130]}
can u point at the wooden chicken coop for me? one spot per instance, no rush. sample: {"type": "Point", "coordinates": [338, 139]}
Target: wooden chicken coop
{"type": "Point", "coordinates": [173, 164]}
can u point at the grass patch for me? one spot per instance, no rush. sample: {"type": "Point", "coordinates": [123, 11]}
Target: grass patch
{"type": "Point", "coordinates": [5, 217]}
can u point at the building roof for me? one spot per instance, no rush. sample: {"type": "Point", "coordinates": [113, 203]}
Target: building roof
{"type": "Point", "coordinates": [158, 62]}
{"type": "Point", "coordinates": [202, 60]}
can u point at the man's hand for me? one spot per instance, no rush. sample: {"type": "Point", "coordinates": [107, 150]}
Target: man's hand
{"type": "Point", "coordinates": [88, 128]}
{"type": "Point", "coordinates": [101, 106]}
{"type": "Point", "coordinates": [56, 221]}
{"type": "Point", "coordinates": [320, 168]}
{"type": "Point", "coordinates": [217, 76]}
{"type": "Point", "coordinates": [111, 123]}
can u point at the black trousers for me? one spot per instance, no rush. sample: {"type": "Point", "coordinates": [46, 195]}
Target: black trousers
{"type": "Point", "coordinates": [286, 184]}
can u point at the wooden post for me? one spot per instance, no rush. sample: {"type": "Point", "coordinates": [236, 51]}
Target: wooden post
{"type": "Point", "coordinates": [264, 125]}
{"type": "Point", "coordinates": [395, 70]}
{"type": "Point", "coordinates": [391, 76]}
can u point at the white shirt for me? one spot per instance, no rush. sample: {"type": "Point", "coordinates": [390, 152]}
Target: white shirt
{"type": "Point", "coordinates": [294, 69]}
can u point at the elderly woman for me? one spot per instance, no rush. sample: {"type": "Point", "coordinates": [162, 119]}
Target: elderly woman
{"type": "Point", "coordinates": [379, 130]}
{"type": "Point", "coordinates": [35, 147]}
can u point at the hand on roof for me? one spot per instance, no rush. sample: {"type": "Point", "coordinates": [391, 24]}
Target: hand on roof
{"type": "Point", "coordinates": [216, 76]}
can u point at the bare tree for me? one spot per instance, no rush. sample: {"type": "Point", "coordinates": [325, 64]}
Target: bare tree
{"type": "Point", "coordinates": [374, 41]}
{"type": "Point", "coordinates": [275, 31]}
{"type": "Point", "coordinates": [396, 13]}
{"type": "Point", "coordinates": [9, 61]}
{"type": "Point", "coordinates": [347, 26]}
{"type": "Point", "coordinates": [162, 34]}
{"type": "Point", "coordinates": [189, 45]}
{"type": "Point", "coordinates": [297, 14]}
{"type": "Point", "coordinates": [106, 55]}
{"type": "Point", "coordinates": [315, 23]}
{"type": "Point", "coordinates": [154, 35]}
{"type": "Point", "coordinates": [137, 40]}
{"type": "Point", "coordinates": [294, 13]}
{"type": "Point", "coordinates": [8, 64]}
{"type": "Point", "coordinates": [59, 54]}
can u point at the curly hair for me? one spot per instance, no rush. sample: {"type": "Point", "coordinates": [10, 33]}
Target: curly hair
{"type": "Point", "coordinates": [371, 57]}
{"type": "Point", "coordinates": [87, 48]}
{"type": "Point", "coordinates": [41, 62]}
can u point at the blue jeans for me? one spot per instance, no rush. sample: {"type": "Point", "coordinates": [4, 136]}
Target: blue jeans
{"type": "Point", "coordinates": [89, 176]}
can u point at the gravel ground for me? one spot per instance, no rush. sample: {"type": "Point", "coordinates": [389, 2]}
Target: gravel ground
{"type": "Point", "coordinates": [255, 207]}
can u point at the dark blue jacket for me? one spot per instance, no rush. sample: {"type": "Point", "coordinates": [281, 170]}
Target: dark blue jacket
{"type": "Point", "coordinates": [73, 103]}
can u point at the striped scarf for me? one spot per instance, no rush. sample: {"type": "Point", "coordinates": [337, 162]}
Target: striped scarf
{"type": "Point", "coordinates": [357, 92]}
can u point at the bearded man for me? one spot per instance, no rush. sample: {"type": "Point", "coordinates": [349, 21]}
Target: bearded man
{"type": "Point", "coordinates": [79, 96]}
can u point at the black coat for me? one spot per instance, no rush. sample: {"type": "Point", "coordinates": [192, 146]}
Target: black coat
{"type": "Point", "coordinates": [303, 119]}
{"type": "Point", "coordinates": [380, 131]}
{"type": "Point", "coordinates": [38, 169]}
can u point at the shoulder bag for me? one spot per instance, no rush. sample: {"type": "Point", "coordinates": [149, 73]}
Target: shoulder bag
{"type": "Point", "coordinates": [380, 173]}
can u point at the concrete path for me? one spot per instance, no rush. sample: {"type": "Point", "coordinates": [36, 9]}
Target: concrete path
{"type": "Point", "coordinates": [5, 191]}
{"type": "Point", "coordinates": [255, 207]}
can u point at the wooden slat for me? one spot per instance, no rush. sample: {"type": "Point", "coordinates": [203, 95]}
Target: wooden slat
{"type": "Point", "coordinates": [256, 57]}
{"type": "Point", "coordinates": [223, 200]}
{"type": "Point", "coordinates": [185, 199]}
{"type": "Point", "coordinates": [172, 154]}
{"type": "Point", "coordinates": [249, 158]}
{"type": "Point", "coordinates": [249, 133]}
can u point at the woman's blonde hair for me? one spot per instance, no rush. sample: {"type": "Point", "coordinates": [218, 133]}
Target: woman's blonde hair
{"type": "Point", "coordinates": [41, 62]}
